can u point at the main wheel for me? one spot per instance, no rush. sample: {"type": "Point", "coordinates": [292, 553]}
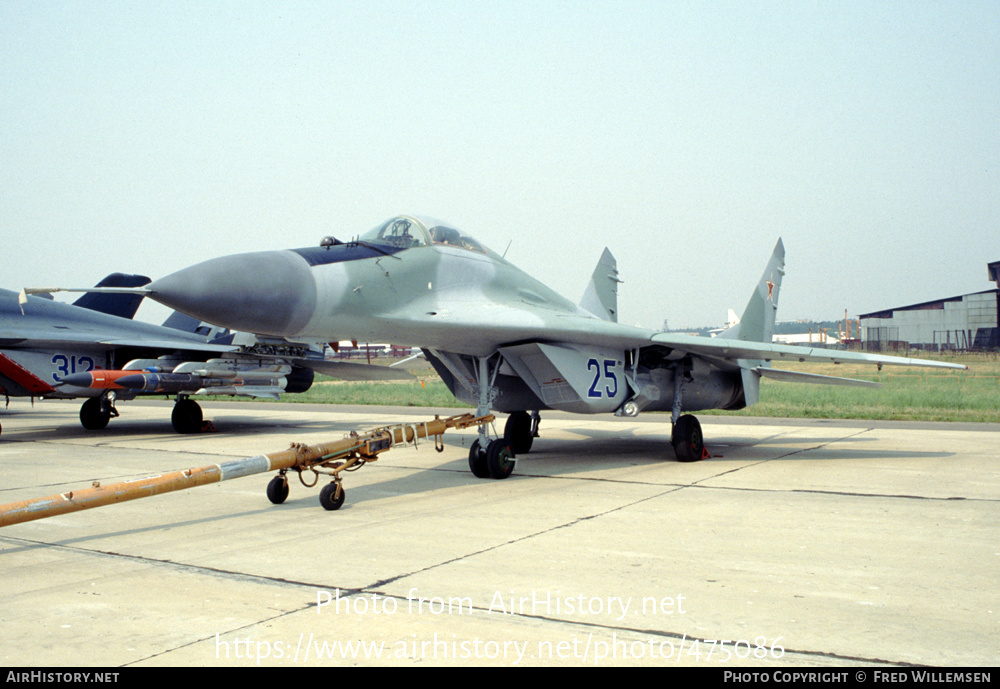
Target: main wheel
{"type": "Point", "coordinates": [477, 461]}
{"type": "Point", "coordinates": [500, 459]}
{"type": "Point", "coordinates": [517, 432]}
{"type": "Point", "coordinates": [329, 498]}
{"type": "Point", "coordinates": [93, 416]}
{"type": "Point", "coordinates": [186, 416]}
{"type": "Point", "coordinates": [689, 445]}
{"type": "Point", "coordinates": [277, 490]}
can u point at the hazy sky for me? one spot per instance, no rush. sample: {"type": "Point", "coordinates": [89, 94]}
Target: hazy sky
{"type": "Point", "coordinates": [685, 136]}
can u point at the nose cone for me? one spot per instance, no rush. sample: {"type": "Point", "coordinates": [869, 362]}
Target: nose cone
{"type": "Point", "coordinates": [76, 380]}
{"type": "Point", "coordinates": [266, 292]}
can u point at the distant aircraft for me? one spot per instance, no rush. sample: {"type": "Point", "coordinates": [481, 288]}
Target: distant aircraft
{"type": "Point", "coordinates": [732, 321]}
{"type": "Point", "coordinates": [499, 338]}
{"type": "Point", "coordinates": [820, 338]}
{"type": "Point", "coordinates": [93, 349]}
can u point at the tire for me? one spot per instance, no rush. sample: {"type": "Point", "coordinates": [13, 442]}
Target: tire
{"type": "Point", "coordinates": [500, 459]}
{"type": "Point", "coordinates": [92, 416]}
{"type": "Point", "coordinates": [477, 461]}
{"type": "Point", "coordinates": [689, 445]}
{"type": "Point", "coordinates": [329, 499]}
{"type": "Point", "coordinates": [517, 432]}
{"type": "Point", "coordinates": [277, 490]}
{"type": "Point", "coordinates": [186, 417]}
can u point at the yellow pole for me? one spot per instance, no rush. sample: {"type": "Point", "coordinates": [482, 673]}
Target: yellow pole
{"type": "Point", "coordinates": [367, 445]}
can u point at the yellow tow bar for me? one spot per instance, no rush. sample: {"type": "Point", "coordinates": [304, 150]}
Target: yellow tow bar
{"type": "Point", "coordinates": [332, 459]}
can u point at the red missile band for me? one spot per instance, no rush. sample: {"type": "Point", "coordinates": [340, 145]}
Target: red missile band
{"type": "Point", "coordinates": [105, 379]}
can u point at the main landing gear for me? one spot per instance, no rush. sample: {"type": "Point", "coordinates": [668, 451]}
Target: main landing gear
{"type": "Point", "coordinates": [186, 416]}
{"type": "Point", "coordinates": [96, 412]}
{"type": "Point", "coordinates": [521, 430]}
{"type": "Point", "coordinates": [689, 445]}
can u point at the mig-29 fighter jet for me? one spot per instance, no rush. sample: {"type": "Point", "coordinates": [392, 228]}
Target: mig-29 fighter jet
{"type": "Point", "coordinates": [500, 339]}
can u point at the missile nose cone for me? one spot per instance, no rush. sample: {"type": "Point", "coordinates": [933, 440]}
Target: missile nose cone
{"type": "Point", "coordinates": [265, 292]}
{"type": "Point", "coordinates": [135, 381]}
{"type": "Point", "coordinates": [76, 380]}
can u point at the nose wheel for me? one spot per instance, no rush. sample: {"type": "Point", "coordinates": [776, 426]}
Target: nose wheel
{"type": "Point", "coordinates": [496, 461]}
{"type": "Point", "coordinates": [477, 461]}
{"type": "Point", "coordinates": [490, 458]}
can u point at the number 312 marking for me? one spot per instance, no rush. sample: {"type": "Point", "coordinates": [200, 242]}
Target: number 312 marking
{"type": "Point", "coordinates": [66, 365]}
{"type": "Point", "coordinates": [608, 373]}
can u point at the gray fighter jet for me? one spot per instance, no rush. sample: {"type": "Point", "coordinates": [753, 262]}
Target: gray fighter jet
{"type": "Point", "coordinates": [500, 339]}
{"type": "Point", "coordinates": [92, 349]}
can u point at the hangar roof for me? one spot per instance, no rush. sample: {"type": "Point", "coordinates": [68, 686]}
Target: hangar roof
{"type": "Point", "coordinates": [994, 275]}
{"type": "Point", "coordinates": [925, 306]}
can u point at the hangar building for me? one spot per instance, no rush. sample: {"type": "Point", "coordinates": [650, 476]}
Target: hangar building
{"type": "Point", "coordinates": [965, 322]}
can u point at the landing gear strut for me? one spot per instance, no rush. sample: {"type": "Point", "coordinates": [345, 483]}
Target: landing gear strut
{"type": "Point", "coordinates": [490, 458]}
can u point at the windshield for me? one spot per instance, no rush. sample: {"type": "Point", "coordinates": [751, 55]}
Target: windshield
{"type": "Point", "coordinates": [404, 232]}
{"type": "Point", "coordinates": [449, 236]}
{"type": "Point", "coordinates": [399, 233]}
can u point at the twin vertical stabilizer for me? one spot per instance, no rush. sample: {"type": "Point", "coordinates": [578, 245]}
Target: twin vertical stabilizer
{"type": "Point", "coordinates": [601, 295]}
{"type": "Point", "coordinates": [757, 323]}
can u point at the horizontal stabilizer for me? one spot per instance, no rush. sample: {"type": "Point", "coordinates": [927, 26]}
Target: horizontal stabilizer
{"type": "Point", "coordinates": [732, 350]}
{"type": "Point", "coordinates": [798, 377]}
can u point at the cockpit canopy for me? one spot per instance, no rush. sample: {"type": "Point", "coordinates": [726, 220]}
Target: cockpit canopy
{"type": "Point", "coordinates": [406, 232]}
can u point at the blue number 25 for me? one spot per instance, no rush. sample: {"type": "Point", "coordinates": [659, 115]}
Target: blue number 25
{"type": "Point", "coordinates": [608, 373]}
